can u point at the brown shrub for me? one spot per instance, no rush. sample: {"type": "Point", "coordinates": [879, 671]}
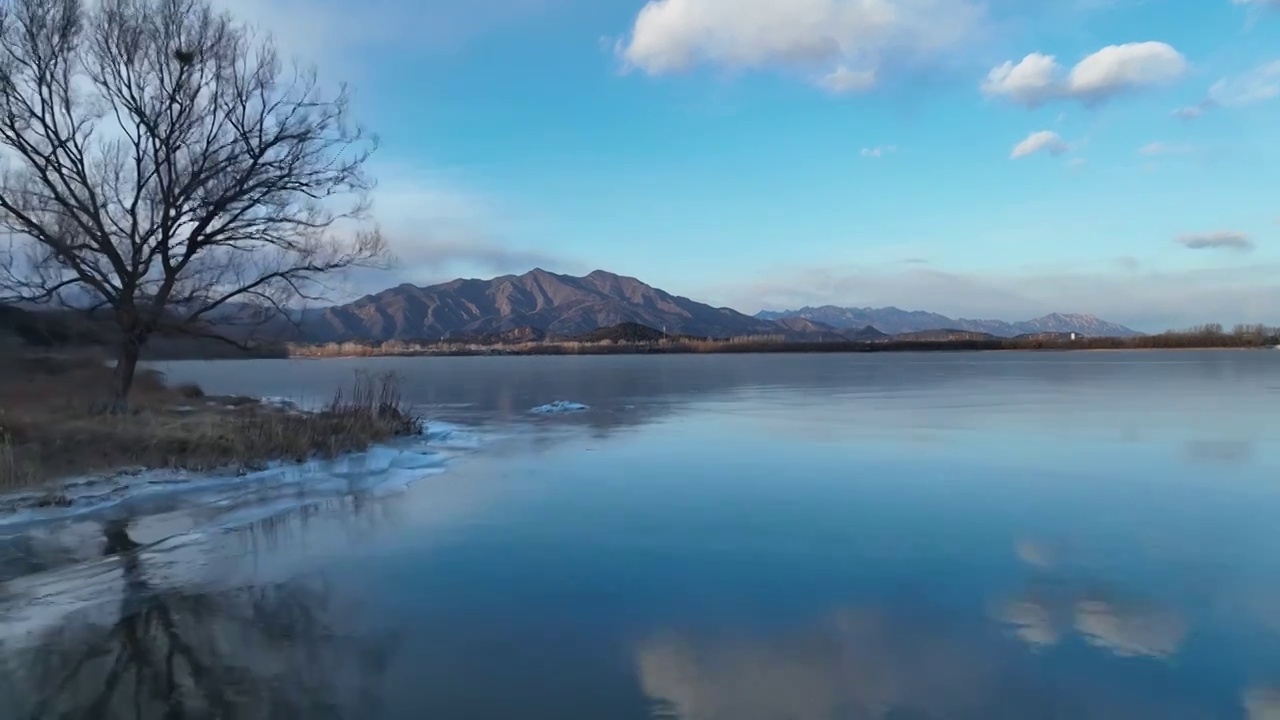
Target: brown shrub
{"type": "Point", "coordinates": [49, 427]}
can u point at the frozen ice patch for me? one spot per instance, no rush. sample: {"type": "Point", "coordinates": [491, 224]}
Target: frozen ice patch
{"type": "Point", "coordinates": [292, 405]}
{"type": "Point", "coordinates": [300, 404]}
{"type": "Point", "coordinates": [192, 526]}
{"type": "Point", "coordinates": [276, 401]}
{"type": "Point", "coordinates": [138, 494]}
{"type": "Point", "coordinates": [446, 435]}
{"type": "Point", "coordinates": [559, 407]}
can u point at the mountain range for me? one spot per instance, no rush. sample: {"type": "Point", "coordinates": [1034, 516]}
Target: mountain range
{"type": "Point", "coordinates": [557, 305]}
{"type": "Point", "coordinates": [547, 304]}
{"type": "Point", "coordinates": [895, 321]}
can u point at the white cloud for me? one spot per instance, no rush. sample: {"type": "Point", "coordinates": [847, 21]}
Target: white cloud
{"type": "Point", "coordinates": [1121, 67]}
{"type": "Point", "coordinates": [1164, 148]}
{"type": "Point", "coordinates": [1261, 83]}
{"type": "Point", "coordinates": [1266, 4]}
{"type": "Point", "coordinates": [879, 151]}
{"type": "Point", "coordinates": [1030, 82]}
{"type": "Point", "coordinates": [842, 45]}
{"type": "Point", "coordinates": [1219, 240]}
{"type": "Point", "coordinates": [1046, 141]}
{"type": "Point", "coordinates": [1257, 85]}
{"type": "Point", "coordinates": [439, 226]}
{"type": "Point", "coordinates": [434, 254]}
{"type": "Point", "coordinates": [843, 81]}
{"type": "Point", "coordinates": [1114, 69]}
{"type": "Point", "coordinates": [1192, 112]}
{"type": "Point", "coordinates": [1077, 163]}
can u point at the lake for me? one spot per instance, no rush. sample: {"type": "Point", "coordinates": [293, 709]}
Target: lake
{"type": "Point", "coordinates": [826, 537]}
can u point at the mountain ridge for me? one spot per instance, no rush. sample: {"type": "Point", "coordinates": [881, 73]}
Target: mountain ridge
{"type": "Point", "coordinates": [556, 305]}
{"type": "Point", "coordinates": [895, 321]}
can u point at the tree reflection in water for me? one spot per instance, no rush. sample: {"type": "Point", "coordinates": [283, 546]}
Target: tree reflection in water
{"type": "Point", "coordinates": [269, 651]}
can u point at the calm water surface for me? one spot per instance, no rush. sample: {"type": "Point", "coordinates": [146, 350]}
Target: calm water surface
{"type": "Point", "coordinates": [890, 537]}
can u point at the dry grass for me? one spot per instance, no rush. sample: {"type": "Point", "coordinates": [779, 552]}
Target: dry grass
{"type": "Point", "coordinates": [50, 426]}
{"type": "Point", "coordinates": [1249, 337]}
{"type": "Point", "coordinates": [394, 348]}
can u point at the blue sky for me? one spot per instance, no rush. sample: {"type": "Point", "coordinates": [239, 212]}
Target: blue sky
{"type": "Point", "coordinates": [928, 154]}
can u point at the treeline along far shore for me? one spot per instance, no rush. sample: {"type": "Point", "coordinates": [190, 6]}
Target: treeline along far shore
{"type": "Point", "coordinates": [629, 340]}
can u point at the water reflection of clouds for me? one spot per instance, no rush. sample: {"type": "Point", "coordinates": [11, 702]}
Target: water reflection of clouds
{"type": "Point", "coordinates": [872, 664]}
{"type": "Point", "coordinates": [1052, 603]}
{"type": "Point", "coordinates": [1032, 622]}
{"type": "Point", "coordinates": [1262, 704]}
{"type": "Point", "coordinates": [1130, 631]}
{"type": "Point", "coordinates": [1123, 630]}
{"type": "Point", "coordinates": [853, 664]}
{"type": "Point", "coordinates": [1034, 554]}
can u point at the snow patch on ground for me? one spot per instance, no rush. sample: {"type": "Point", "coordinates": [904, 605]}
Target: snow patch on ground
{"type": "Point", "coordinates": [559, 407]}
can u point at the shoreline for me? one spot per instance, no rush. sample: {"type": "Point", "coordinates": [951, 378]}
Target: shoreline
{"type": "Point", "coordinates": [555, 351]}
{"type": "Point", "coordinates": [388, 466]}
{"type": "Point", "coordinates": [54, 433]}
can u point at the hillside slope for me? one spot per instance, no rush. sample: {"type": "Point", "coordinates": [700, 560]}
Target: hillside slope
{"type": "Point", "coordinates": [553, 304]}
{"type": "Point", "coordinates": [895, 321]}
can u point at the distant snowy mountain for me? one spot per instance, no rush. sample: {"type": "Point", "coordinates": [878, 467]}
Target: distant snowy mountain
{"type": "Point", "coordinates": [894, 321]}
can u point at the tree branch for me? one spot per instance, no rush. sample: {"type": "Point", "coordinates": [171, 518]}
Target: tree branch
{"type": "Point", "coordinates": [159, 156]}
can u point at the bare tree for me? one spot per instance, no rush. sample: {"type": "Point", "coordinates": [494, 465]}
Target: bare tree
{"type": "Point", "coordinates": [159, 162]}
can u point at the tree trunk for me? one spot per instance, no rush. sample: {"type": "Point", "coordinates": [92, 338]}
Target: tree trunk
{"type": "Point", "coordinates": [126, 368]}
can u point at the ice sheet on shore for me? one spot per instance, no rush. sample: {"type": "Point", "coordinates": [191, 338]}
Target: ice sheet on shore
{"type": "Point", "coordinates": [51, 561]}
{"type": "Point", "coordinates": [185, 524]}
{"type": "Point", "coordinates": [139, 492]}
{"type": "Point", "coordinates": [148, 492]}
{"type": "Point", "coordinates": [449, 436]}
{"type": "Point", "coordinates": [559, 407]}
{"type": "Point", "coordinates": [293, 404]}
